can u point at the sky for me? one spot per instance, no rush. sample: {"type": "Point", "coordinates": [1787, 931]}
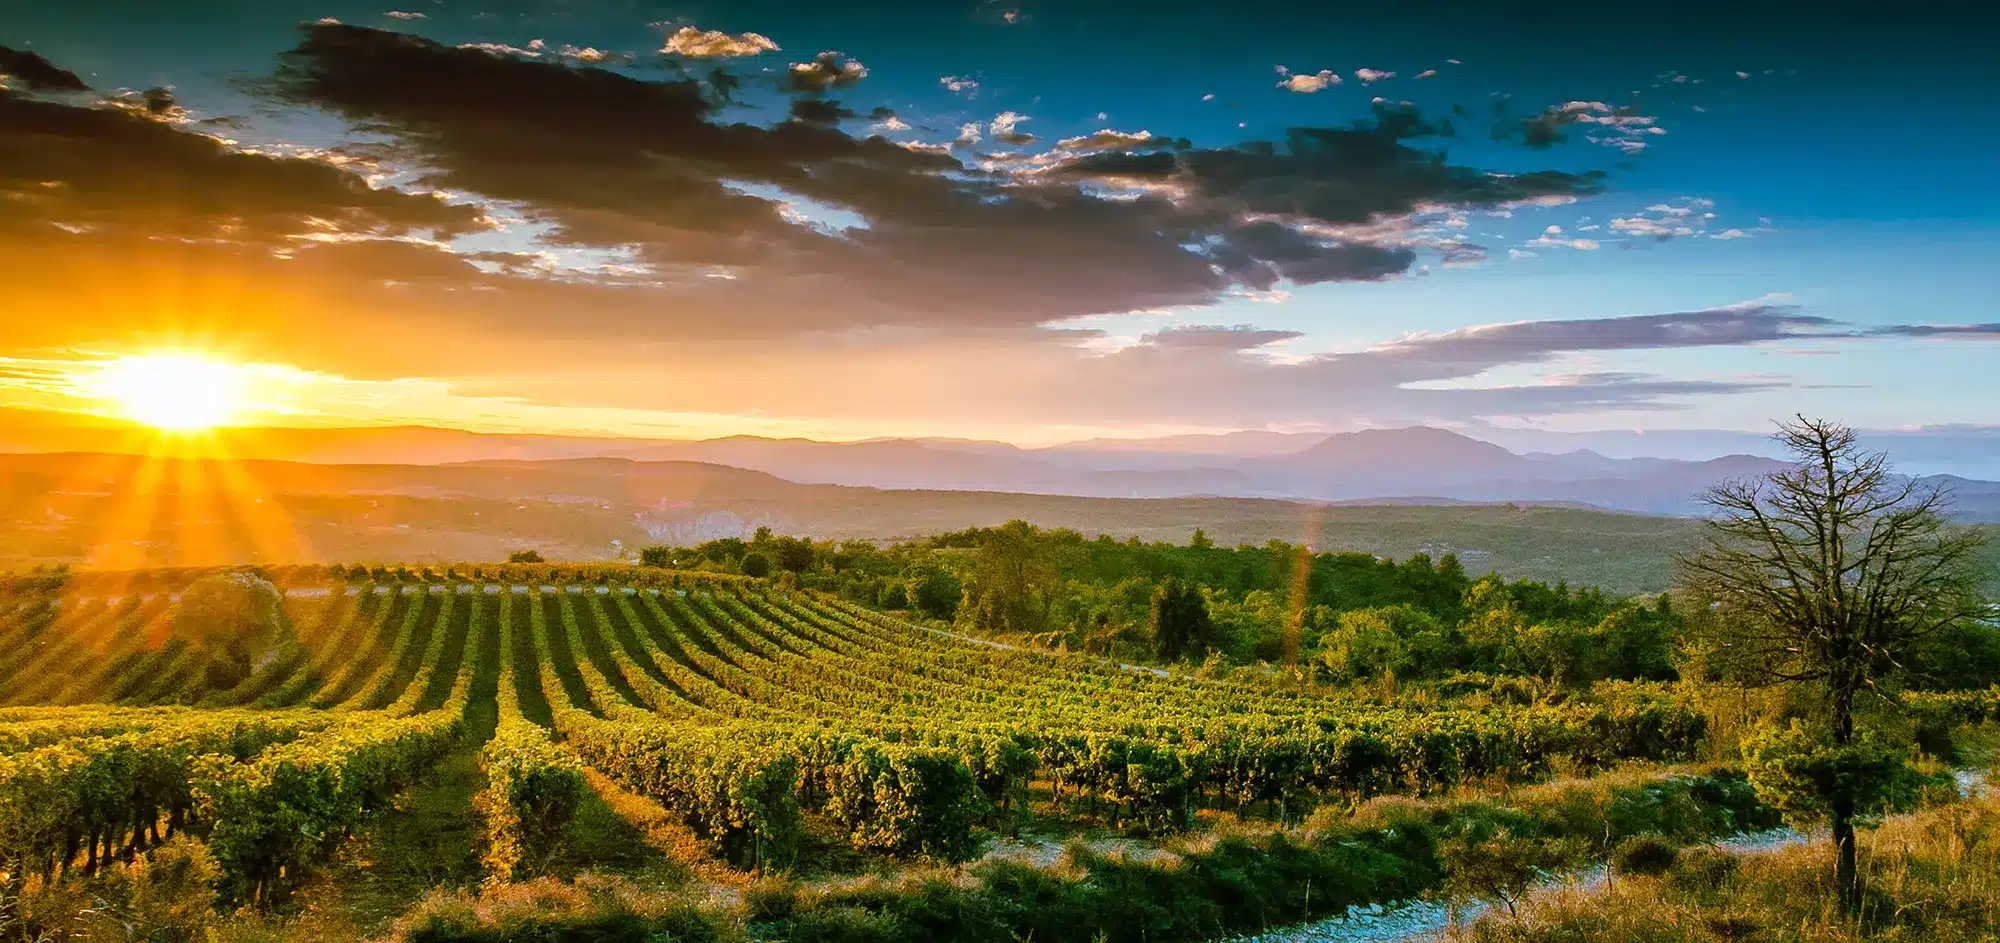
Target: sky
{"type": "Point", "coordinates": [1032, 222]}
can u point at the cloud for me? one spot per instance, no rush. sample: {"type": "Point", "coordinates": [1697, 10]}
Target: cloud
{"type": "Point", "coordinates": [1553, 238]}
{"type": "Point", "coordinates": [956, 84]}
{"type": "Point", "coordinates": [119, 171]}
{"type": "Point", "coordinates": [1004, 130]}
{"type": "Point", "coordinates": [820, 111]}
{"type": "Point", "coordinates": [663, 232]}
{"type": "Point", "coordinates": [1535, 341]}
{"type": "Point", "coordinates": [37, 73]}
{"type": "Point", "coordinates": [1108, 139]}
{"type": "Point", "coordinates": [1980, 332]}
{"type": "Point", "coordinates": [1620, 127]}
{"type": "Point", "coordinates": [1371, 76]}
{"type": "Point", "coordinates": [716, 44]}
{"type": "Point", "coordinates": [1218, 337]}
{"type": "Point", "coordinates": [1308, 83]}
{"type": "Point", "coordinates": [827, 70]}
{"type": "Point", "coordinates": [590, 54]}
{"type": "Point", "coordinates": [1427, 73]}
{"type": "Point", "coordinates": [405, 15]}
{"type": "Point", "coordinates": [1683, 218]}
{"type": "Point", "coordinates": [643, 167]}
{"type": "Point", "coordinates": [533, 50]}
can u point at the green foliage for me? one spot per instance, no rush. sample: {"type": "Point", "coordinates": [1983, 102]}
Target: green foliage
{"type": "Point", "coordinates": [1798, 769]}
{"type": "Point", "coordinates": [1179, 620]}
{"type": "Point", "coordinates": [532, 791]}
{"type": "Point", "coordinates": [935, 592]}
{"type": "Point", "coordinates": [906, 801]}
{"type": "Point", "coordinates": [755, 565]}
{"type": "Point", "coordinates": [1399, 640]}
{"type": "Point", "coordinates": [1644, 855]}
{"type": "Point", "coordinates": [656, 556]}
{"type": "Point", "coordinates": [795, 554]}
{"type": "Point", "coordinates": [292, 806]}
{"type": "Point", "coordinates": [233, 623]}
{"type": "Point", "coordinates": [525, 556]}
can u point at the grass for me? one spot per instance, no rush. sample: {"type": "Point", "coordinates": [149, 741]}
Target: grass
{"type": "Point", "coordinates": [1229, 877]}
{"type": "Point", "coordinates": [1931, 876]}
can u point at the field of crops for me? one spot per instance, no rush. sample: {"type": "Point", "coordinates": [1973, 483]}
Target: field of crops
{"type": "Point", "coordinates": [731, 710]}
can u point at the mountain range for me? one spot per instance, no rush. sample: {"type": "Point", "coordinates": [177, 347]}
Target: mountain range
{"type": "Point", "coordinates": [1411, 465]}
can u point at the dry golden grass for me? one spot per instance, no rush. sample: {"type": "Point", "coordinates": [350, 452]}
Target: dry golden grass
{"type": "Point", "coordinates": [1933, 876]}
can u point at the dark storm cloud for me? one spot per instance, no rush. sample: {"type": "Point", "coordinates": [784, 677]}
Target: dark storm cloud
{"type": "Point", "coordinates": [820, 111]}
{"type": "Point", "coordinates": [114, 167]}
{"type": "Point", "coordinates": [616, 161]}
{"type": "Point", "coordinates": [1352, 174]}
{"type": "Point", "coordinates": [37, 73]}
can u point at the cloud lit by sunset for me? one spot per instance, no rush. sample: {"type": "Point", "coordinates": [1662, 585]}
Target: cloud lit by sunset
{"type": "Point", "coordinates": [483, 224]}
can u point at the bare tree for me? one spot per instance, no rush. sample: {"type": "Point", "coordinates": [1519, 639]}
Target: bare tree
{"type": "Point", "coordinates": [1824, 575]}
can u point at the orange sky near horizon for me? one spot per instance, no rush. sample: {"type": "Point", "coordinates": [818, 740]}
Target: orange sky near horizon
{"type": "Point", "coordinates": [83, 392]}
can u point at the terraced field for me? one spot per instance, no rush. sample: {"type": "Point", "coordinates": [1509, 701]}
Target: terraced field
{"type": "Point", "coordinates": [719, 712]}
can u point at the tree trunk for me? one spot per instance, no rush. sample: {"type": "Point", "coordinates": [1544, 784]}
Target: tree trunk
{"type": "Point", "coordinates": [1845, 878]}
{"type": "Point", "coordinates": [1843, 839]}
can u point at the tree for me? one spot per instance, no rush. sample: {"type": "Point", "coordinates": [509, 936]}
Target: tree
{"type": "Point", "coordinates": [934, 592]}
{"type": "Point", "coordinates": [1363, 644]}
{"type": "Point", "coordinates": [1015, 574]}
{"type": "Point", "coordinates": [656, 556]}
{"type": "Point", "coordinates": [1180, 621]}
{"type": "Point", "coordinates": [1824, 576]}
{"type": "Point", "coordinates": [234, 624]}
{"type": "Point", "coordinates": [525, 556]}
{"type": "Point", "coordinates": [794, 553]}
{"type": "Point", "coordinates": [756, 565]}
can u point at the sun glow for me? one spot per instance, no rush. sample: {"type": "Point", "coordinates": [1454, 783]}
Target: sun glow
{"type": "Point", "coordinates": [174, 392]}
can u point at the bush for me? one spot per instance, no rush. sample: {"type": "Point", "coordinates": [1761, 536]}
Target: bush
{"type": "Point", "coordinates": [1644, 854]}
{"type": "Point", "coordinates": [525, 556]}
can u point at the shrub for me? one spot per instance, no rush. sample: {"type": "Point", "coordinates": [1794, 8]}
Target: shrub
{"type": "Point", "coordinates": [1644, 854]}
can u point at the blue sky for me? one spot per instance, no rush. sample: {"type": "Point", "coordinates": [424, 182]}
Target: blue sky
{"type": "Point", "coordinates": [1808, 201]}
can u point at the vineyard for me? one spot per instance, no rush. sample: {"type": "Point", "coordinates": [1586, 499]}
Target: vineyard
{"type": "Point", "coordinates": [728, 712]}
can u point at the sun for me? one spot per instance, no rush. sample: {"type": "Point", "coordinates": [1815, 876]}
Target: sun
{"type": "Point", "coordinates": [174, 392]}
